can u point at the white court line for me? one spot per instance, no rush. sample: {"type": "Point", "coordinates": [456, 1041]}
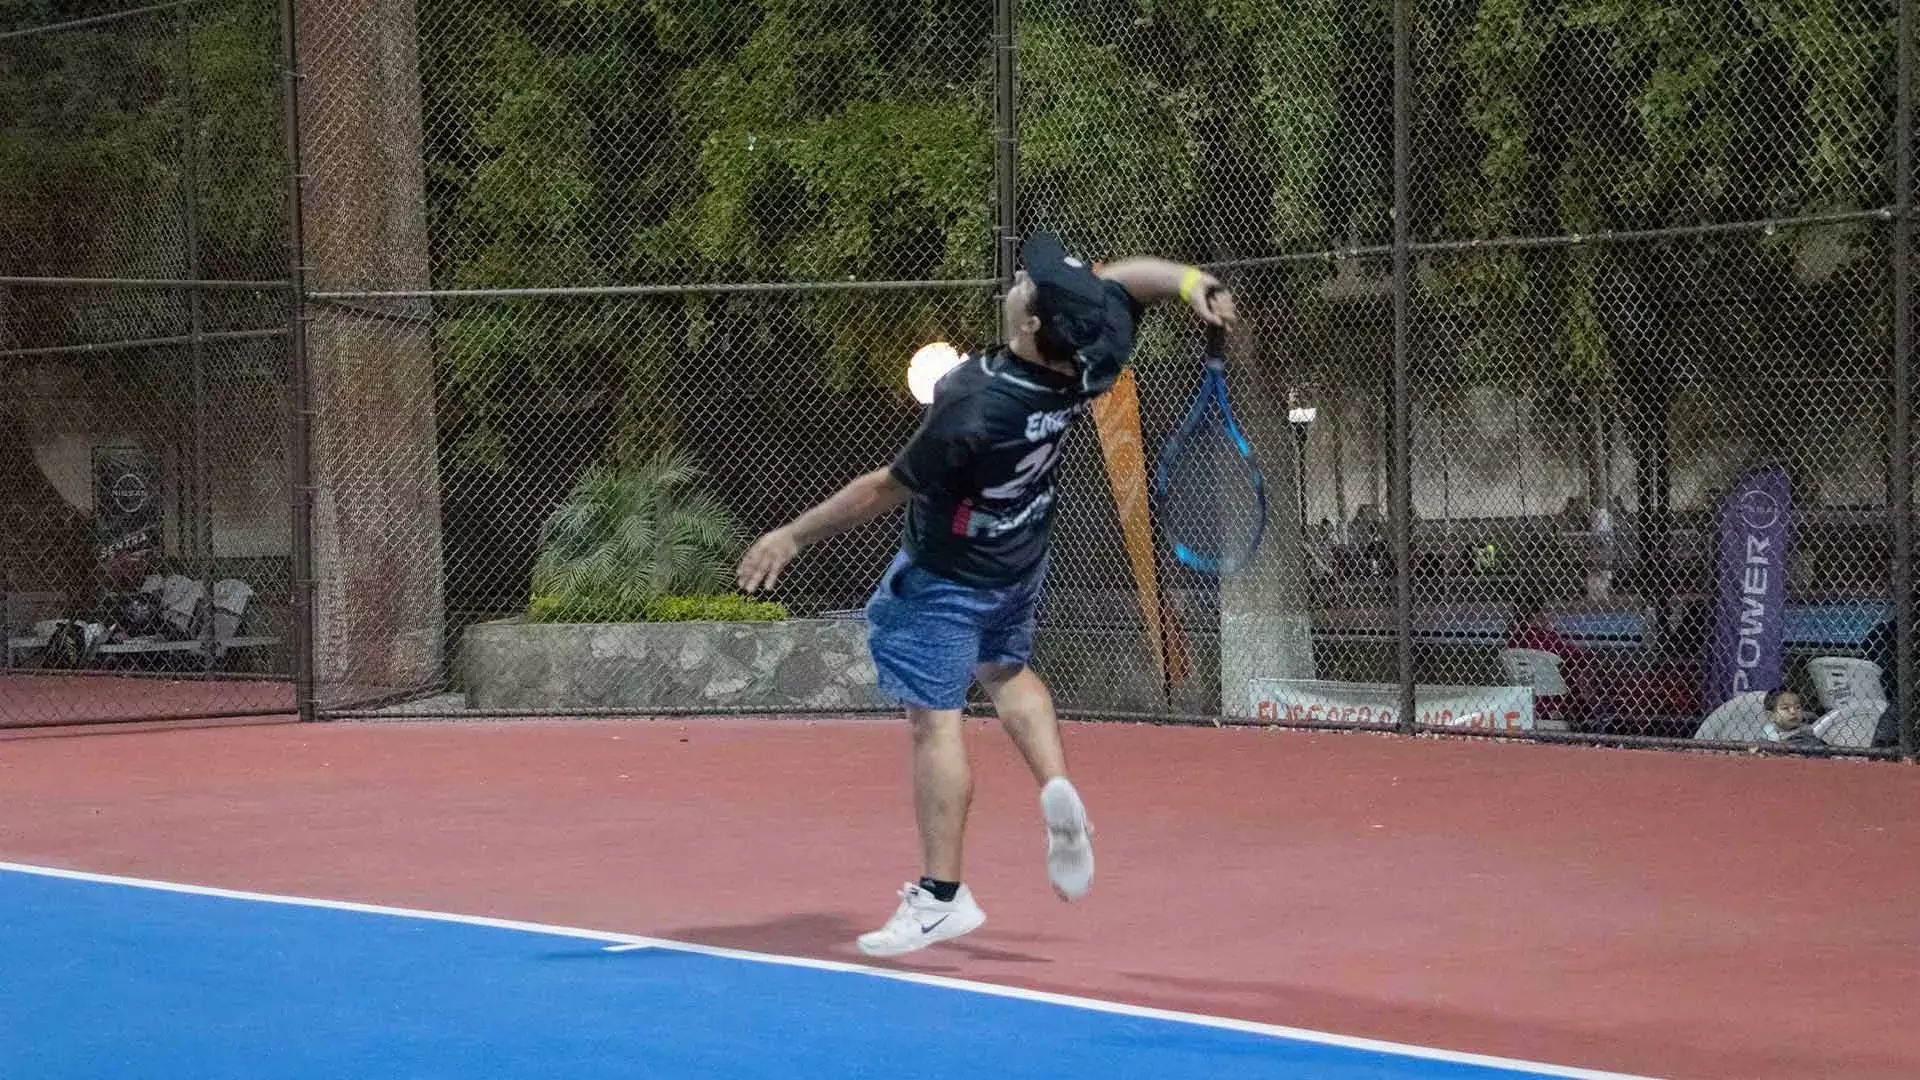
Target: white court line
{"type": "Point", "coordinates": [630, 942]}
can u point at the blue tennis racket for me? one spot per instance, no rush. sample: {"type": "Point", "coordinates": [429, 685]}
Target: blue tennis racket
{"type": "Point", "coordinates": [1211, 497]}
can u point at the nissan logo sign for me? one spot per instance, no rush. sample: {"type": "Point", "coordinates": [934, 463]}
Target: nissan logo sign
{"type": "Point", "coordinates": [1759, 511]}
{"type": "Point", "coordinates": [130, 492]}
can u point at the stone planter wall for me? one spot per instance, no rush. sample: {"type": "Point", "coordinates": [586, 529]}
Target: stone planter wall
{"type": "Point", "coordinates": [798, 663]}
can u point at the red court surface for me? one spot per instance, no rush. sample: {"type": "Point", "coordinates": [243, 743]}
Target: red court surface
{"type": "Point", "coordinates": [1668, 914]}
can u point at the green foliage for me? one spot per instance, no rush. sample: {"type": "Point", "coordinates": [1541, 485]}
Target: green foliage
{"type": "Point", "coordinates": [821, 151]}
{"type": "Point", "coordinates": [95, 154]}
{"type": "Point", "coordinates": [1660, 112]}
{"type": "Point", "coordinates": [657, 141]}
{"type": "Point", "coordinates": [628, 536]}
{"type": "Point", "coordinates": [1578, 116]}
{"type": "Point", "coordinates": [1107, 150]}
{"type": "Point", "coordinates": [727, 607]}
{"type": "Point", "coordinates": [241, 175]}
{"type": "Point", "coordinates": [698, 140]}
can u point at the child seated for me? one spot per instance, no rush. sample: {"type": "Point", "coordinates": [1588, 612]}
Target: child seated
{"type": "Point", "coordinates": [1787, 720]}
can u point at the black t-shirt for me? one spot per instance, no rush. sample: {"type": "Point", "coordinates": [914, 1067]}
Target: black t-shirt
{"type": "Point", "coordinates": [981, 466]}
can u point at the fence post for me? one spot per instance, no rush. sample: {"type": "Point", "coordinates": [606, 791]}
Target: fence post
{"type": "Point", "coordinates": [1401, 484]}
{"type": "Point", "coordinates": [300, 411]}
{"type": "Point", "coordinates": [1900, 465]}
{"type": "Point", "coordinates": [1006, 148]}
{"type": "Point", "coordinates": [197, 511]}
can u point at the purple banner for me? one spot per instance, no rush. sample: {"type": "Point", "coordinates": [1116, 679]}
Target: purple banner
{"type": "Point", "coordinates": [1756, 534]}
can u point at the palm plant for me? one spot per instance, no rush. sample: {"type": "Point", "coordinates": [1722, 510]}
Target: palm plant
{"type": "Point", "coordinates": [626, 536]}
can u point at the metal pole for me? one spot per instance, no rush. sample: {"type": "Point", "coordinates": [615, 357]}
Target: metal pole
{"type": "Point", "coordinates": [152, 718]}
{"type": "Point", "coordinates": [1570, 240]}
{"type": "Point", "coordinates": [300, 412]}
{"type": "Point", "coordinates": [96, 20]}
{"type": "Point", "coordinates": [1006, 144]}
{"type": "Point", "coordinates": [1900, 467]}
{"type": "Point", "coordinates": [1401, 514]}
{"type": "Point", "coordinates": [579, 292]}
{"type": "Point", "coordinates": [138, 283]}
{"type": "Point", "coordinates": [141, 343]}
{"type": "Point", "coordinates": [199, 519]}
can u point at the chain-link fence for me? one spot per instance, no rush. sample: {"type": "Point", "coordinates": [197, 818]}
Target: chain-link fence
{"type": "Point", "coordinates": [144, 572]}
{"type": "Point", "coordinates": [1569, 342]}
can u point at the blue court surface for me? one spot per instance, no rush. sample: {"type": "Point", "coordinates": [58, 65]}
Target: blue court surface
{"type": "Point", "coordinates": [108, 977]}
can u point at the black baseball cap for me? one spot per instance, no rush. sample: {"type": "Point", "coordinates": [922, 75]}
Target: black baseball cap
{"type": "Point", "coordinates": [1083, 320]}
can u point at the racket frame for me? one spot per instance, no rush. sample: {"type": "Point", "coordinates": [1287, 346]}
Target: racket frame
{"type": "Point", "coordinates": [1213, 387]}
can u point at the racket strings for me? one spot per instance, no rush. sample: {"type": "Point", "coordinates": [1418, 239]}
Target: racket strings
{"type": "Point", "coordinates": [1209, 505]}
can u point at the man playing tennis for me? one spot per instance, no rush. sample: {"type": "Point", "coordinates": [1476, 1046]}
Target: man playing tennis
{"type": "Point", "coordinates": [959, 601]}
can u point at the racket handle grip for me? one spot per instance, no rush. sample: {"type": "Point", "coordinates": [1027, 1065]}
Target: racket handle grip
{"type": "Point", "coordinates": [1216, 343]}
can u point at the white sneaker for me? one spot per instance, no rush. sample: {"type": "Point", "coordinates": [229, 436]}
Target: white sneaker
{"type": "Point", "coordinates": [921, 921]}
{"type": "Point", "coordinates": [1069, 839]}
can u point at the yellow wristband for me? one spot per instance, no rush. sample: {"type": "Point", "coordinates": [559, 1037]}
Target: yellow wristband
{"type": "Point", "coordinates": [1188, 281]}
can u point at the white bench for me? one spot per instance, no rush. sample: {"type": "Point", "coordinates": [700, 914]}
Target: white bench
{"type": "Point", "coordinates": [19, 645]}
{"type": "Point", "coordinates": [213, 648]}
{"type": "Point", "coordinates": [19, 611]}
{"type": "Point", "coordinates": [229, 601]}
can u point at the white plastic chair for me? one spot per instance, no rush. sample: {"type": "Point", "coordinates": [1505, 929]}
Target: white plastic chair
{"type": "Point", "coordinates": [181, 600]}
{"type": "Point", "coordinates": [1852, 724]}
{"type": "Point", "coordinates": [1539, 670]}
{"type": "Point", "coordinates": [1842, 680]}
{"type": "Point", "coordinates": [1743, 718]}
{"type": "Point", "coordinates": [230, 598]}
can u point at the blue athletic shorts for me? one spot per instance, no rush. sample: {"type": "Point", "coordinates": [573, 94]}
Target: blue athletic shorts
{"type": "Point", "coordinates": [927, 633]}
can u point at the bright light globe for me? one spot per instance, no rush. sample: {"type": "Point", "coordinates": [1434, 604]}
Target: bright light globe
{"type": "Point", "coordinates": [931, 362]}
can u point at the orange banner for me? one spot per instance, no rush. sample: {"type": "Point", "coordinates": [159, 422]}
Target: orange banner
{"type": "Point", "coordinates": [1117, 416]}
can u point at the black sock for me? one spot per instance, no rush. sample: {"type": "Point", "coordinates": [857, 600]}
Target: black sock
{"type": "Point", "coordinates": [943, 891]}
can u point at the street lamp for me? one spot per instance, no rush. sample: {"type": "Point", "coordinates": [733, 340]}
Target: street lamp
{"type": "Point", "coordinates": [927, 366]}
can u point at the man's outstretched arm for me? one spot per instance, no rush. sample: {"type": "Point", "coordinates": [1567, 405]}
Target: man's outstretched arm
{"type": "Point", "coordinates": [1151, 280]}
{"type": "Point", "coordinates": [864, 498]}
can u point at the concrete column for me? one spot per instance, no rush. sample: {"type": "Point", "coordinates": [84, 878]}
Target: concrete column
{"type": "Point", "coordinates": [379, 622]}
